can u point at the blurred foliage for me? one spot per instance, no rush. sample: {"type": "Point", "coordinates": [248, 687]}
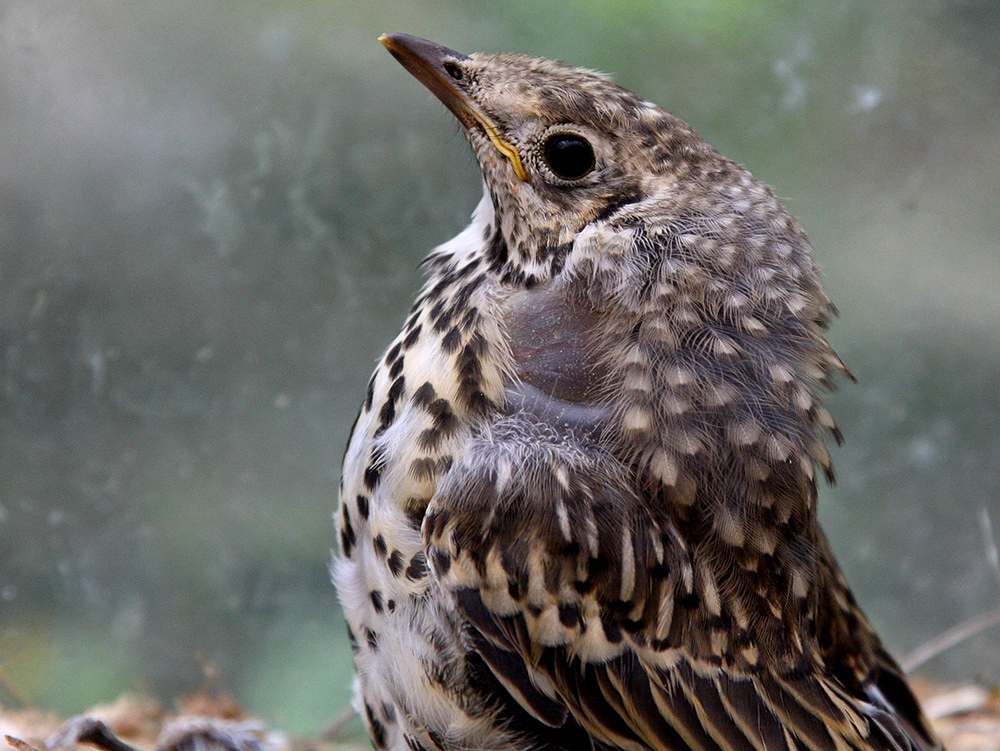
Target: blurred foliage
{"type": "Point", "coordinates": [210, 219]}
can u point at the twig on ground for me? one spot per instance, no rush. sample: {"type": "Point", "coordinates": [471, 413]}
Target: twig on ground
{"type": "Point", "coordinates": [91, 731]}
{"type": "Point", "coordinates": [18, 744]}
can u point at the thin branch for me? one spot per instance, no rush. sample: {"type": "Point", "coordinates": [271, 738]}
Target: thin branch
{"type": "Point", "coordinates": [340, 722]}
{"type": "Point", "coordinates": [989, 542]}
{"type": "Point", "coordinates": [948, 639]}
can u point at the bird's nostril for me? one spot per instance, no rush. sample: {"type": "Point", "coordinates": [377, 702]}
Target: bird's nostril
{"type": "Point", "coordinates": [453, 70]}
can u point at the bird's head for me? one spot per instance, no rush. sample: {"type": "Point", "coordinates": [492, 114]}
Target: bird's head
{"type": "Point", "coordinates": [559, 146]}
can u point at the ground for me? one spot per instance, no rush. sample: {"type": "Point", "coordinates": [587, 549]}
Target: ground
{"type": "Point", "coordinates": [967, 718]}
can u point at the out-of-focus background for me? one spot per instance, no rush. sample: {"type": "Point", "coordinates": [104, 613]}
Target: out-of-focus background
{"type": "Point", "coordinates": [211, 215]}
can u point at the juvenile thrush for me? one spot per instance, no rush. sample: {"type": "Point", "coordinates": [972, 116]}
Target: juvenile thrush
{"type": "Point", "coordinates": [578, 507]}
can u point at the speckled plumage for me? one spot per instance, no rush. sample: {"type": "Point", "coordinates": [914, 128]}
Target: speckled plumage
{"type": "Point", "coordinates": [578, 507]}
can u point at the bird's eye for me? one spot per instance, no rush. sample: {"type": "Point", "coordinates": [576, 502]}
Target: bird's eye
{"type": "Point", "coordinates": [568, 155]}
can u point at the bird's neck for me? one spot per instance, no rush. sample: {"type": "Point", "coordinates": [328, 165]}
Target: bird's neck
{"type": "Point", "coordinates": [714, 405]}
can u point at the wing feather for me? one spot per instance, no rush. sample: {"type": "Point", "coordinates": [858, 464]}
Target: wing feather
{"type": "Point", "coordinates": [513, 674]}
{"type": "Point", "coordinates": [573, 626]}
{"type": "Point", "coordinates": [703, 694]}
{"type": "Point", "coordinates": [743, 702]}
{"type": "Point", "coordinates": [631, 681]}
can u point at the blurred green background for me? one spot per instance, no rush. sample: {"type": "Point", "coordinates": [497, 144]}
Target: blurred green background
{"type": "Point", "coordinates": [211, 215]}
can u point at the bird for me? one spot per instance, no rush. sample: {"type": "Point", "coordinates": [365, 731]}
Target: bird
{"type": "Point", "coordinates": [578, 507]}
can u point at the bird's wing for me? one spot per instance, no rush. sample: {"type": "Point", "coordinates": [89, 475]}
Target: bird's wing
{"type": "Point", "coordinates": [579, 598]}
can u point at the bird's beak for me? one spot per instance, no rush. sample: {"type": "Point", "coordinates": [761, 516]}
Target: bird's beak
{"type": "Point", "coordinates": [433, 65]}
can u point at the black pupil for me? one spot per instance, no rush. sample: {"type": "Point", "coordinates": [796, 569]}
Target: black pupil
{"type": "Point", "coordinates": [569, 156]}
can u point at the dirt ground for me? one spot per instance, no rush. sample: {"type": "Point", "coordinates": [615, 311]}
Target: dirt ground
{"type": "Point", "coordinates": [966, 717]}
